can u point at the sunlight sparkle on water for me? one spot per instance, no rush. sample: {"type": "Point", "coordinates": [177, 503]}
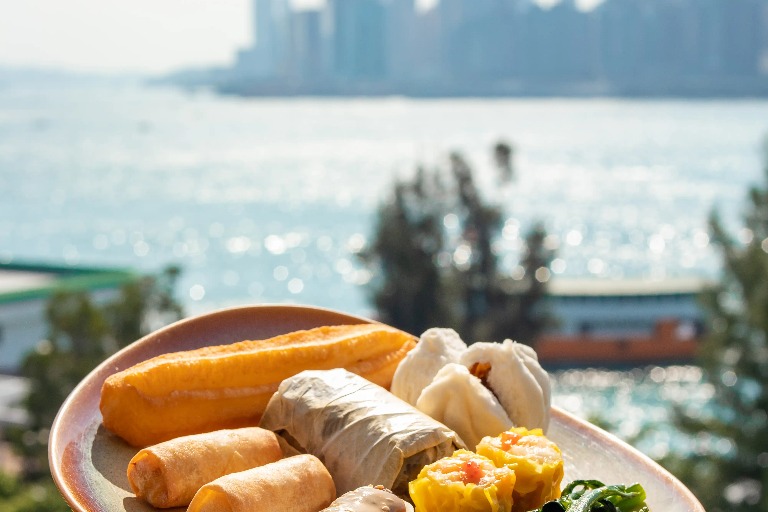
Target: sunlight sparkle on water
{"type": "Point", "coordinates": [627, 401]}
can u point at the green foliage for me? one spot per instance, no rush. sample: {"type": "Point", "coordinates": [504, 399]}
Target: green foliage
{"type": "Point", "coordinates": [409, 240]}
{"type": "Point", "coordinates": [595, 496]}
{"type": "Point", "coordinates": [730, 471]}
{"type": "Point", "coordinates": [18, 496]}
{"type": "Point", "coordinates": [434, 254]}
{"type": "Point", "coordinates": [82, 333]}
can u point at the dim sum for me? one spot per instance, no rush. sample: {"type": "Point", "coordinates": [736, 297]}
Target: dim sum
{"type": "Point", "coordinates": [463, 482]}
{"type": "Point", "coordinates": [294, 484]}
{"type": "Point", "coordinates": [369, 499]}
{"type": "Point", "coordinates": [170, 473]}
{"type": "Point", "coordinates": [512, 372]}
{"type": "Point", "coordinates": [436, 348]}
{"type": "Point", "coordinates": [460, 401]}
{"type": "Point", "coordinates": [362, 433]}
{"type": "Point", "coordinates": [536, 461]}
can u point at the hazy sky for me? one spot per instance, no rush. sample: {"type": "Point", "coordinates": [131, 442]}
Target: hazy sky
{"type": "Point", "coordinates": [122, 35]}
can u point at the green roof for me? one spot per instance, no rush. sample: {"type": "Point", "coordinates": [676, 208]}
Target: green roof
{"type": "Point", "coordinates": [52, 278]}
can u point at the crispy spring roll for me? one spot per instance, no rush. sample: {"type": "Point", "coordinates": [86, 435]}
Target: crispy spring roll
{"type": "Point", "coordinates": [369, 499]}
{"type": "Point", "coordinates": [294, 484]}
{"type": "Point", "coordinates": [170, 473]}
{"type": "Point", "coordinates": [364, 434]}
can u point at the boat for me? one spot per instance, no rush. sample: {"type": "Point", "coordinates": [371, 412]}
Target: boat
{"type": "Point", "coordinates": [626, 322]}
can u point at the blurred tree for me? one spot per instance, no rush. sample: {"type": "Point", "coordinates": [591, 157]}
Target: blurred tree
{"type": "Point", "coordinates": [82, 333]}
{"type": "Point", "coordinates": [435, 256]}
{"type": "Point", "coordinates": [503, 155]}
{"type": "Point", "coordinates": [517, 308]}
{"type": "Point", "coordinates": [476, 267]}
{"type": "Point", "coordinates": [18, 496]}
{"type": "Point", "coordinates": [407, 243]}
{"type": "Point", "coordinates": [729, 468]}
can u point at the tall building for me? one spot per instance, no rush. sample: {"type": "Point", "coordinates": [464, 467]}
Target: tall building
{"type": "Point", "coordinates": [461, 46]}
{"type": "Point", "coordinates": [400, 39]}
{"type": "Point", "coordinates": [306, 49]}
{"type": "Point", "coordinates": [476, 39]}
{"type": "Point", "coordinates": [358, 46]}
{"type": "Point", "coordinates": [271, 27]}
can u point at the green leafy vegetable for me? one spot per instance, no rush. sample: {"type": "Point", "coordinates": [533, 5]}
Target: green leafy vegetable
{"type": "Point", "coordinates": [595, 496]}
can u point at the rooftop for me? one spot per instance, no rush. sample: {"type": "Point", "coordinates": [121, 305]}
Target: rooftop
{"type": "Point", "coordinates": [19, 280]}
{"type": "Point", "coordinates": [27, 281]}
{"type": "Point", "coordinates": [565, 287]}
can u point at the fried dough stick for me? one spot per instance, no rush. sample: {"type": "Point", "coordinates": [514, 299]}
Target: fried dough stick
{"type": "Point", "coordinates": [228, 386]}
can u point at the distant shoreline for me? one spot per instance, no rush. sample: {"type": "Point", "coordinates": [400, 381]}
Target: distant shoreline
{"type": "Point", "coordinates": [217, 81]}
{"type": "Point", "coordinates": [698, 88]}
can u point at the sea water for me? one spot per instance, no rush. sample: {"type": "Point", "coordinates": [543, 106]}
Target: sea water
{"type": "Point", "coordinates": [270, 200]}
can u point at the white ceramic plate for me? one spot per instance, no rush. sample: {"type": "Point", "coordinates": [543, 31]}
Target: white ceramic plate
{"type": "Point", "coordinates": [88, 463]}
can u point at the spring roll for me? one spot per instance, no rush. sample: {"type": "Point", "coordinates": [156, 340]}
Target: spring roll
{"type": "Point", "coordinates": [361, 432]}
{"type": "Point", "coordinates": [294, 484]}
{"type": "Point", "coordinates": [170, 473]}
{"type": "Point", "coordinates": [369, 499]}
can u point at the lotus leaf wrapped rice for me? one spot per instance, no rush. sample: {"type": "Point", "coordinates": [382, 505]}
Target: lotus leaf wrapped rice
{"type": "Point", "coordinates": [536, 461]}
{"type": "Point", "coordinates": [361, 432]}
{"type": "Point", "coordinates": [463, 482]}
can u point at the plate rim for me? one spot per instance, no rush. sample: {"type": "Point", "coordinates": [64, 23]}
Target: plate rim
{"type": "Point", "coordinates": [69, 494]}
{"type": "Point", "coordinates": [569, 419]}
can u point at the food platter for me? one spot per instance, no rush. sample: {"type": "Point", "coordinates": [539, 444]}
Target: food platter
{"type": "Point", "coordinates": [88, 463]}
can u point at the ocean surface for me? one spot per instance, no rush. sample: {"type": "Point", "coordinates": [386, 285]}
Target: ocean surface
{"type": "Point", "coordinates": [269, 200]}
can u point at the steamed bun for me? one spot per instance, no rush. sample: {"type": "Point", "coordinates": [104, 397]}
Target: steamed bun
{"type": "Point", "coordinates": [458, 399]}
{"type": "Point", "coordinates": [512, 371]}
{"type": "Point", "coordinates": [436, 348]}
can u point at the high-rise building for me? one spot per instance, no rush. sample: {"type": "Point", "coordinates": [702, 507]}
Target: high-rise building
{"type": "Point", "coordinates": [271, 26]}
{"type": "Point", "coordinates": [358, 46]}
{"type": "Point", "coordinates": [400, 38]}
{"type": "Point", "coordinates": [508, 45]}
{"type": "Point", "coordinates": [307, 58]}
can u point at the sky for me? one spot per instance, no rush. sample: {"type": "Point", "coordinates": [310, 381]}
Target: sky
{"type": "Point", "coordinates": [125, 36]}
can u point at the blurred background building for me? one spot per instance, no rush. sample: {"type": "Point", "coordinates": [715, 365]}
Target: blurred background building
{"type": "Point", "coordinates": [685, 47]}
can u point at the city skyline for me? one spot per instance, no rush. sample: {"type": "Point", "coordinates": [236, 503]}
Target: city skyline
{"type": "Point", "coordinates": [501, 47]}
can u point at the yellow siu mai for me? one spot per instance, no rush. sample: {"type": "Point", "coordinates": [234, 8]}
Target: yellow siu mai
{"type": "Point", "coordinates": [463, 482]}
{"type": "Point", "coordinates": [536, 461]}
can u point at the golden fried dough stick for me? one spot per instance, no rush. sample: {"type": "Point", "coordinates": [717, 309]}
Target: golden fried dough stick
{"type": "Point", "coordinates": [228, 386]}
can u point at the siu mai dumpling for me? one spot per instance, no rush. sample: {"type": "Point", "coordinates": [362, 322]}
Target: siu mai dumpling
{"type": "Point", "coordinates": [463, 482]}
